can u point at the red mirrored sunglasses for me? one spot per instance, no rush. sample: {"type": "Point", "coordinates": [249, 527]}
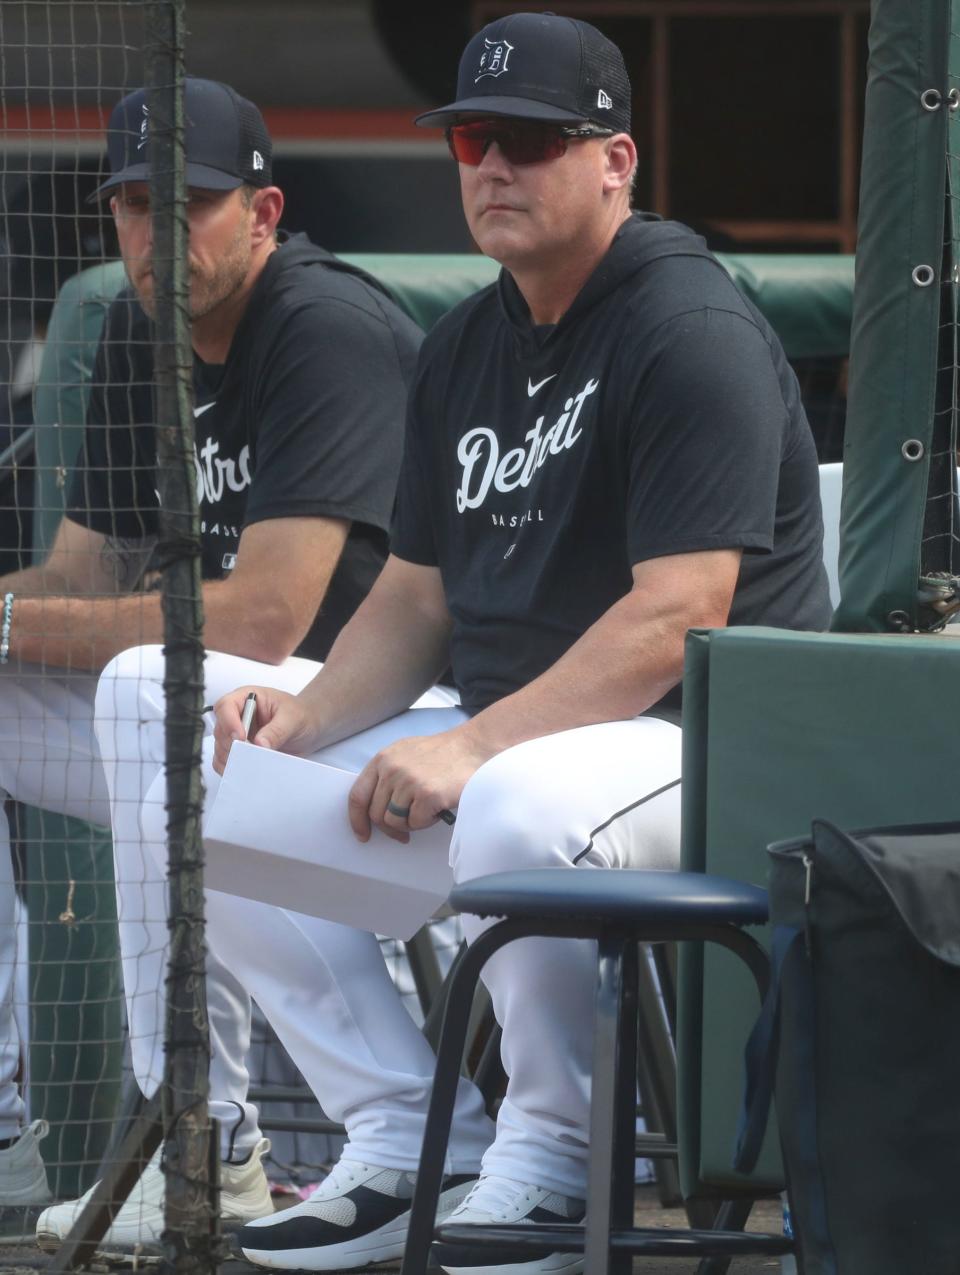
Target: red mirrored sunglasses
{"type": "Point", "coordinates": [519, 142]}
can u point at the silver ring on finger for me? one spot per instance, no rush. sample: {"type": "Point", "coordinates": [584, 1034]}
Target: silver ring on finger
{"type": "Point", "coordinates": [399, 812]}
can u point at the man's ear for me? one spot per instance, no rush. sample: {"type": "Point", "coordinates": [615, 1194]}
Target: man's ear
{"type": "Point", "coordinates": [267, 206]}
{"type": "Point", "coordinates": [621, 162]}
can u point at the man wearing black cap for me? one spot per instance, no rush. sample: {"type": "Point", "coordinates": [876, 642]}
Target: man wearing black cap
{"type": "Point", "coordinates": [604, 449]}
{"type": "Point", "coordinates": [300, 372]}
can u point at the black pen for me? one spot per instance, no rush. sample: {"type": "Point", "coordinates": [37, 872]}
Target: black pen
{"type": "Point", "coordinates": [447, 816]}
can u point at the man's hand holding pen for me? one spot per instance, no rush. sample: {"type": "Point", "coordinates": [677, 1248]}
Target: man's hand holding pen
{"type": "Point", "coordinates": [421, 779]}
{"type": "Point", "coordinates": [282, 723]}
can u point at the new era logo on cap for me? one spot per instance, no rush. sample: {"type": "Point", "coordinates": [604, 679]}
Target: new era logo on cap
{"type": "Point", "coordinates": [604, 101]}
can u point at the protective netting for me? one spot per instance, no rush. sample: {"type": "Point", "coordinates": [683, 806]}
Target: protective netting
{"type": "Point", "coordinates": [940, 545]}
{"type": "Point", "coordinates": [63, 66]}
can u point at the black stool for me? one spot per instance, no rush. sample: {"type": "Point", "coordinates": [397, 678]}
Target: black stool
{"type": "Point", "coordinates": [620, 909]}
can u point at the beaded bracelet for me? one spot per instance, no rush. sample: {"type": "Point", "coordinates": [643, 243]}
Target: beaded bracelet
{"type": "Point", "coordinates": [5, 627]}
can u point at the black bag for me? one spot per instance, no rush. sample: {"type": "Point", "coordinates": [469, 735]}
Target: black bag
{"type": "Point", "coordinates": [860, 1036]}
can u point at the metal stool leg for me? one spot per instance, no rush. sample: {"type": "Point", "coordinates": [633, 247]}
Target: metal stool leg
{"type": "Point", "coordinates": [731, 1216]}
{"type": "Point", "coordinates": [424, 967]}
{"type": "Point", "coordinates": [657, 1079]}
{"type": "Point", "coordinates": [612, 1105]}
{"type": "Point", "coordinates": [461, 985]}
{"type": "Point", "coordinates": [623, 1166]}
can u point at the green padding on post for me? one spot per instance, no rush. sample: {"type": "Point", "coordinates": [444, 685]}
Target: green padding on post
{"type": "Point", "coordinates": [780, 728]}
{"type": "Point", "coordinates": [894, 340]}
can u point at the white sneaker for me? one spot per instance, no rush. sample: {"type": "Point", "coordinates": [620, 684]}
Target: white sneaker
{"type": "Point", "coordinates": [23, 1178]}
{"type": "Point", "coordinates": [244, 1194]}
{"type": "Point", "coordinates": [357, 1216]}
{"type": "Point", "coordinates": [501, 1201]}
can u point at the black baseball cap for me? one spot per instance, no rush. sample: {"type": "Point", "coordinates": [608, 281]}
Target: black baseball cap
{"type": "Point", "coordinates": [226, 139]}
{"type": "Point", "coordinates": [540, 66]}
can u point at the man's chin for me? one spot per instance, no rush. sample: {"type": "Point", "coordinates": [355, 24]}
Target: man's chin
{"type": "Point", "coordinates": [501, 244]}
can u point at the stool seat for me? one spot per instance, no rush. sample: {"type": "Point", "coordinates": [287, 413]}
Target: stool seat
{"type": "Point", "coordinates": [629, 895]}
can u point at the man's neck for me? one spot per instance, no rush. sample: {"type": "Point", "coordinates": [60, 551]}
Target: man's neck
{"type": "Point", "coordinates": [551, 288]}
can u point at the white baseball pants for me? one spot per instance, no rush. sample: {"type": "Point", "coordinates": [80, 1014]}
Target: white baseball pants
{"type": "Point", "coordinates": [609, 790]}
{"type": "Point", "coordinates": [50, 757]}
{"type": "Point", "coordinates": [599, 796]}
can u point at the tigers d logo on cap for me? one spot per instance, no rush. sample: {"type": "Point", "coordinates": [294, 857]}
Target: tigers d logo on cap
{"type": "Point", "coordinates": [494, 58]}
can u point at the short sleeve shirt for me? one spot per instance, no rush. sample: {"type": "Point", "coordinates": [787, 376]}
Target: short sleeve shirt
{"type": "Point", "coordinates": [658, 417]}
{"type": "Point", "coordinates": [303, 420]}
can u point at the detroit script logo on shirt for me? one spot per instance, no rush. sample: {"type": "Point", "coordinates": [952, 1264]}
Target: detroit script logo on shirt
{"type": "Point", "coordinates": [478, 452]}
{"type": "Point", "coordinates": [215, 472]}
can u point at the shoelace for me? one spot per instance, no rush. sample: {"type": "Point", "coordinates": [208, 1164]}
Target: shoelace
{"type": "Point", "coordinates": [499, 1196]}
{"type": "Point", "coordinates": [341, 1177]}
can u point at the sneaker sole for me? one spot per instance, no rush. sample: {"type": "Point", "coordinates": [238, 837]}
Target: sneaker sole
{"type": "Point", "coordinates": [120, 1250]}
{"type": "Point", "coordinates": [385, 1245]}
{"type": "Point", "coordinates": [566, 1264]}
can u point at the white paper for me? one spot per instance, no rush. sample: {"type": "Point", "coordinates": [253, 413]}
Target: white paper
{"type": "Point", "coordinates": [277, 830]}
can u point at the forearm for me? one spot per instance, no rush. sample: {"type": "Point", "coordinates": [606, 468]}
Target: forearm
{"type": "Point", "coordinates": [87, 632]}
{"type": "Point", "coordinates": [385, 657]}
{"type": "Point", "coordinates": [616, 670]}
{"type": "Point", "coordinates": [81, 607]}
{"type": "Point", "coordinates": [81, 633]}
{"type": "Point", "coordinates": [626, 661]}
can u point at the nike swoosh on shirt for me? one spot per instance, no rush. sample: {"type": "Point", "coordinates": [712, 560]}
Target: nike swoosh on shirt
{"type": "Point", "coordinates": [199, 411]}
{"type": "Point", "coordinates": [532, 389]}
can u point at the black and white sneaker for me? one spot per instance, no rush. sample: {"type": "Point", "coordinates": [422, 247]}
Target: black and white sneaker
{"type": "Point", "coordinates": [357, 1216]}
{"type": "Point", "coordinates": [500, 1201]}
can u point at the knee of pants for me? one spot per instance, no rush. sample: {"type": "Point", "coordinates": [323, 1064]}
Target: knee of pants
{"type": "Point", "coordinates": [506, 820]}
{"type": "Point", "coordinates": [123, 681]}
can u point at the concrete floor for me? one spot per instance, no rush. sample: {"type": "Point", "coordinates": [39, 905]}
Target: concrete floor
{"type": "Point", "coordinates": [26, 1257]}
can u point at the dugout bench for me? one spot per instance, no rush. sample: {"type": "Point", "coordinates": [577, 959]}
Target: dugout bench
{"type": "Point", "coordinates": [76, 990]}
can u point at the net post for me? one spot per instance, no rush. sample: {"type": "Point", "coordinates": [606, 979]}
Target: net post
{"type": "Point", "coordinates": [189, 1237]}
{"type": "Point", "coordinates": [898, 493]}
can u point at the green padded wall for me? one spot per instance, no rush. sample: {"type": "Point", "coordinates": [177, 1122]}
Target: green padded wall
{"type": "Point", "coordinates": [76, 991]}
{"type": "Point", "coordinates": [428, 286]}
{"type": "Point", "coordinates": [780, 728]}
{"type": "Point", "coordinates": [808, 300]}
